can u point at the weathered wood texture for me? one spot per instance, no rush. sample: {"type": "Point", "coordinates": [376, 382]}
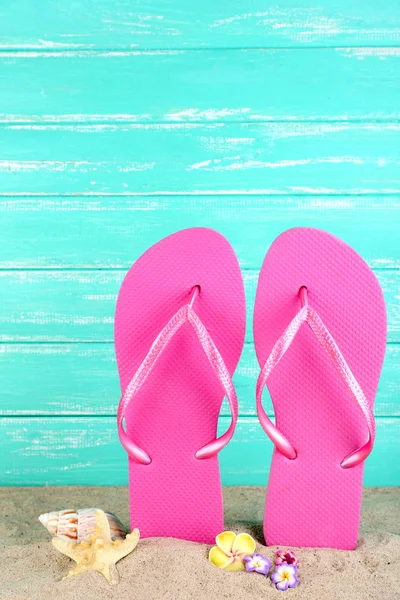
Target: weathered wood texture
{"type": "Point", "coordinates": [326, 84]}
{"type": "Point", "coordinates": [200, 23]}
{"type": "Point", "coordinates": [86, 450]}
{"type": "Point", "coordinates": [121, 122]}
{"type": "Point", "coordinates": [81, 379]}
{"type": "Point", "coordinates": [218, 158]}
{"type": "Point", "coordinates": [70, 232]}
{"type": "Point", "coordinates": [78, 306]}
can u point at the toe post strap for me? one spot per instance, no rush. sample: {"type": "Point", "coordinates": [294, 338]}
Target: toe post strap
{"type": "Point", "coordinates": [186, 314]}
{"type": "Point", "coordinates": [308, 315]}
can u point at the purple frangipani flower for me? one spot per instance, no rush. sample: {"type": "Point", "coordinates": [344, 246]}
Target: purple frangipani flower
{"type": "Point", "coordinates": [286, 556]}
{"type": "Point", "coordinates": [258, 563]}
{"type": "Point", "coordinates": [285, 576]}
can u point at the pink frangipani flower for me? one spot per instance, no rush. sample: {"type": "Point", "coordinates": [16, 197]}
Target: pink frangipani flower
{"type": "Point", "coordinates": [286, 556]}
{"type": "Point", "coordinates": [257, 563]}
{"type": "Point", "coordinates": [285, 576]}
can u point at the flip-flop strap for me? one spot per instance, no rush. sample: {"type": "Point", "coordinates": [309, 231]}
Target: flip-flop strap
{"type": "Point", "coordinates": [310, 316]}
{"type": "Point", "coordinates": [184, 315]}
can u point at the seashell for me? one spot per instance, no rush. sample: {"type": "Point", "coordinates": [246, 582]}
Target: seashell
{"type": "Point", "coordinates": [77, 525]}
{"type": "Point", "coordinates": [101, 552]}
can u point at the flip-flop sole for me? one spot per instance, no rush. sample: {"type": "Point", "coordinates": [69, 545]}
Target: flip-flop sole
{"type": "Point", "coordinates": [312, 500]}
{"type": "Point", "coordinates": [176, 411]}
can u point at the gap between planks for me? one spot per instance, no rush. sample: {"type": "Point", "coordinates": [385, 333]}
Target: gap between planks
{"type": "Point", "coordinates": [114, 121]}
{"type": "Point", "coordinates": [147, 50]}
{"type": "Point", "coordinates": [126, 269]}
{"type": "Point", "coordinates": [202, 193]}
{"type": "Point", "coordinates": [50, 416]}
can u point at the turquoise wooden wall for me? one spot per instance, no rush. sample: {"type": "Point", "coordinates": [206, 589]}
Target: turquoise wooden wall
{"type": "Point", "coordinates": [122, 121]}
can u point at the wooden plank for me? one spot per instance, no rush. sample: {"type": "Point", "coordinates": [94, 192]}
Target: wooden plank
{"type": "Point", "coordinates": [66, 306]}
{"type": "Point", "coordinates": [166, 24]}
{"type": "Point", "coordinates": [219, 158]}
{"type": "Point", "coordinates": [70, 232]}
{"type": "Point", "coordinates": [86, 451]}
{"type": "Point", "coordinates": [71, 379]}
{"type": "Point", "coordinates": [338, 84]}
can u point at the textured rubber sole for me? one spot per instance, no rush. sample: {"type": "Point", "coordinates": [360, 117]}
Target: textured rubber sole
{"type": "Point", "coordinates": [176, 411]}
{"type": "Point", "coordinates": [312, 501]}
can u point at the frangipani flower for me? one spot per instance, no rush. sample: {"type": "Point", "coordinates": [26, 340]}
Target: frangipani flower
{"type": "Point", "coordinates": [285, 576]}
{"type": "Point", "coordinates": [286, 556]}
{"type": "Point", "coordinates": [230, 550]}
{"type": "Point", "coordinates": [258, 563]}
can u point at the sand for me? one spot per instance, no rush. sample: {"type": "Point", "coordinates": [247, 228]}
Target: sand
{"type": "Point", "coordinates": [172, 569]}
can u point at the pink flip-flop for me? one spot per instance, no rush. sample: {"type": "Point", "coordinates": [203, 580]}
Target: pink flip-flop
{"type": "Point", "coordinates": [319, 313]}
{"type": "Point", "coordinates": [179, 332]}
